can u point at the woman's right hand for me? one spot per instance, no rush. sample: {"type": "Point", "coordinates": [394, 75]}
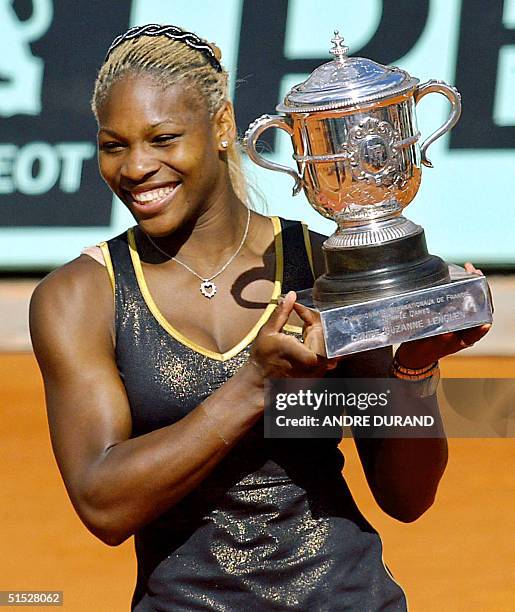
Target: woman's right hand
{"type": "Point", "coordinates": [278, 355]}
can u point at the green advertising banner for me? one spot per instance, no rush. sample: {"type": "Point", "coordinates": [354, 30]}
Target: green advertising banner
{"type": "Point", "coordinates": [54, 202]}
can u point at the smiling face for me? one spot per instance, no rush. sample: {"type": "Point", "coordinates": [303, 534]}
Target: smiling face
{"type": "Point", "coordinates": [159, 151]}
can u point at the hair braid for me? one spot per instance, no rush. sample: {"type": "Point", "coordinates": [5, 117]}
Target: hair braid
{"type": "Point", "coordinates": [170, 62]}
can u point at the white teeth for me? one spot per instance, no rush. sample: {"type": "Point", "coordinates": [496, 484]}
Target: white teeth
{"type": "Point", "coordinates": [153, 195]}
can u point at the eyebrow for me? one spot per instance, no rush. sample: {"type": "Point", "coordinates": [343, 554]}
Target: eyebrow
{"type": "Point", "coordinates": [108, 131]}
{"type": "Point", "coordinates": [151, 126]}
{"type": "Point", "coordinates": [158, 123]}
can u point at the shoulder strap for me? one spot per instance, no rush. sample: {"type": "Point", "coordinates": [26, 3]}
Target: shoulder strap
{"type": "Point", "coordinates": [298, 266]}
{"type": "Point", "coordinates": [120, 259]}
{"type": "Point", "coordinates": [126, 289]}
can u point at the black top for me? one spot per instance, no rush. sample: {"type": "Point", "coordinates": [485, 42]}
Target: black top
{"type": "Point", "coordinates": [274, 526]}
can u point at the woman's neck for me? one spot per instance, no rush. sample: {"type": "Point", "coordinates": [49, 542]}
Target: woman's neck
{"type": "Point", "coordinates": [212, 237]}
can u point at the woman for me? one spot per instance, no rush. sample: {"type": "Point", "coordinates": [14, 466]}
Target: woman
{"type": "Point", "coordinates": [155, 398]}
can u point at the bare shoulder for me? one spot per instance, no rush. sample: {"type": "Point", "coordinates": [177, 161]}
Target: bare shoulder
{"type": "Point", "coordinates": [81, 283]}
{"type": "Point", "coordinates": [76, 296]}
{"type": "Point", "coordinates": [81, 275]}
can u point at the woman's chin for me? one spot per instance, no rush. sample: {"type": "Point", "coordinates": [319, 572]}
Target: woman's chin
{"type": "Point", "coordinates": [160, 225]}
{"type": "Point", "coordinates": [155, 227]}
{"type": "Point", "coordinates": [168, 220]}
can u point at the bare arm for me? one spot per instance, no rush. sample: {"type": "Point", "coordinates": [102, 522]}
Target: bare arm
{"type": "Point", "coordinates": [116, 483]}
{"type": "Point", "coordinates": [406, 472]}
{"type": "Point", "coordinates": [402, 473]}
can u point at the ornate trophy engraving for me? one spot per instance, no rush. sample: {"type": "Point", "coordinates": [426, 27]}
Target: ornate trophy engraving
{"type": "Point", "coordinates": [356, 144]}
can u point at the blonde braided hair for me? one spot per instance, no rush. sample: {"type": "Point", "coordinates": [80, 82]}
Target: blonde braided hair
{"type": "Point", "coordinates": [171, 62]}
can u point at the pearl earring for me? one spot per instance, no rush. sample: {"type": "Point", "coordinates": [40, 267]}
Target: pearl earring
{"type": "Point", "coordinates": [224, 144]}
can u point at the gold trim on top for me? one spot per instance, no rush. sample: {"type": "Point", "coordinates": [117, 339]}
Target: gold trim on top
{"type": "Point", "coordinates": [307, 243]}
{"type": "Point", "coordinates": [175, 333]}
{"type": "Point", "coordinates": [107, 260]}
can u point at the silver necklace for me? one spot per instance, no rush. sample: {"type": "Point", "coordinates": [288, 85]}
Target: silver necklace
{"type": "Point", "coordinates": [207, 287]}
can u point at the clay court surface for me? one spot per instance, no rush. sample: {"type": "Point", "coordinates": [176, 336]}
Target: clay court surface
{"type": "Point", "coordinates": [459, 556]}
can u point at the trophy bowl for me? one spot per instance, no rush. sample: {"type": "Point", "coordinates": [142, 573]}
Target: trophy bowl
{"type": "Point", "coordinates": [355, 139]}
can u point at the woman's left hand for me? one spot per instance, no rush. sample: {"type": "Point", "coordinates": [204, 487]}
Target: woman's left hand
{"type": "Point", "coordinates": [421, 353]}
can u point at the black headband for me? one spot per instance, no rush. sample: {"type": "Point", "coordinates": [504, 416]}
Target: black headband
{"type": "Point", "coordinates": [172, 32]}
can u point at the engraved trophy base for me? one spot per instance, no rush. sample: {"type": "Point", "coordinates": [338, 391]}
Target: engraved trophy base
{"type": "Point", "coordinates": [375, 260]}
{"type": "Point", "coordinates": [461, 302]}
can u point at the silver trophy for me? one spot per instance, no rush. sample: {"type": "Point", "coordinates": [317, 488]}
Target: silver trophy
{"type": "Point", "coordinates": [355, 139]}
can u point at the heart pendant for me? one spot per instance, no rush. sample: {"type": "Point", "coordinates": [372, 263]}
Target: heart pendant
{"type": "Point", "coordinates": [208, 289]}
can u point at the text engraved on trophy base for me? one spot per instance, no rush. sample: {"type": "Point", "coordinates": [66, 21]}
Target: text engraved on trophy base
{"type": "Point", "coordinates": [456, 305]}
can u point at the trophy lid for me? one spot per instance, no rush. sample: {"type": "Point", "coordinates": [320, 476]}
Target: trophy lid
{"type": "Point", "coordinates": [346, 81]}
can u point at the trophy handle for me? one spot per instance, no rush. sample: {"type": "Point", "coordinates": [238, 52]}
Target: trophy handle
{"type": "Point", "coordinates": [453, 95]}
{"type": "Point", "coordinates": [256, 128]}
